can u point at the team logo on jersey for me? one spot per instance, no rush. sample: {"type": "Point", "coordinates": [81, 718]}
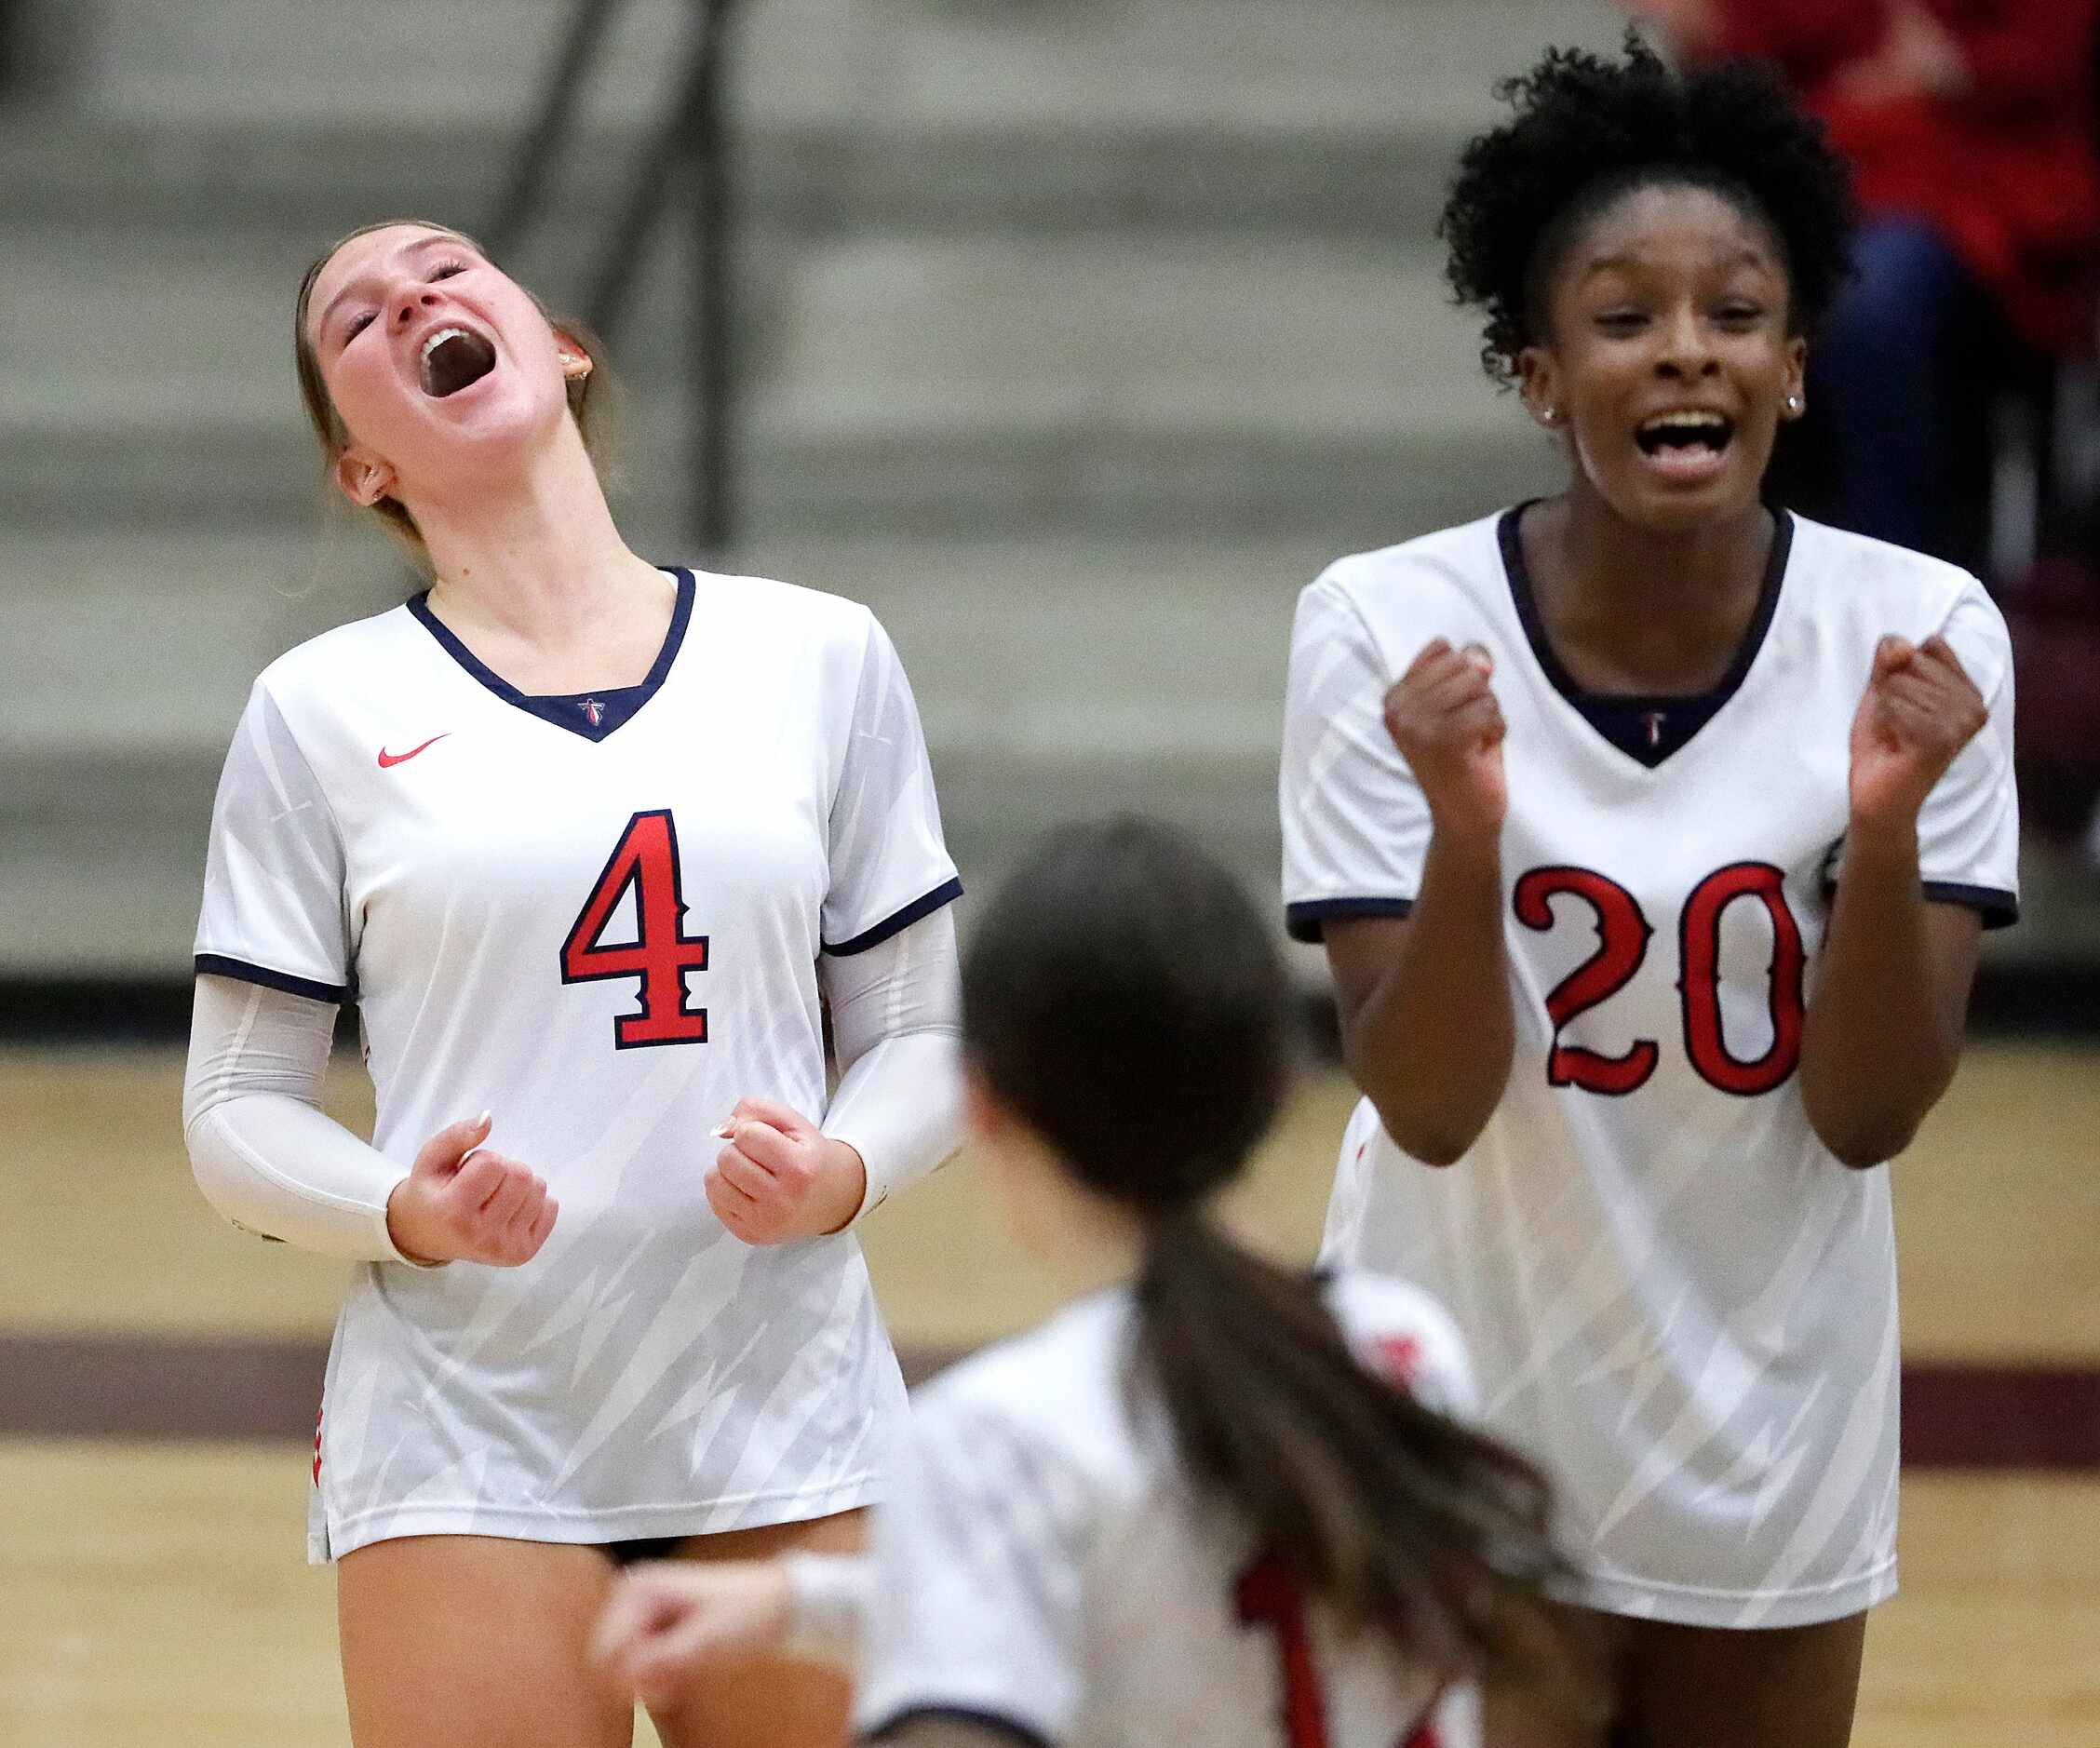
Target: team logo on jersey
{"type": "Point", "coordinates": [594, 712]}
{"type": "Point", "coordinates": [388, 760]}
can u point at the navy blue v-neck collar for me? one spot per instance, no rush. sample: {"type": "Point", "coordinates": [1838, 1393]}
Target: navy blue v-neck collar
{"type": "Point", "coordinates": [1648, 729]}
{"type": "Point", "coordinates": [594, 714]}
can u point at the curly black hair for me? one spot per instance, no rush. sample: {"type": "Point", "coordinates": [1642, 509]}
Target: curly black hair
{"type": "Point", "coordinates": [1588, 130]}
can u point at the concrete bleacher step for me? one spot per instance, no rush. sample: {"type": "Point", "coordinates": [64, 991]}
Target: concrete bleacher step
{"type": "Point", "coordinates": [113, 645]}
{"type": "Point", "coordinates": [989, 386]}
{"type": "Point", "coordinates": [1069, 114]}
{"type": "Point", "coordinates": [960, 219]}
{"type": "Point", "coordinates": [1078, 335]}
{"type": "Point", "coordinates": [1076, 65]}
{"type": "Point", "coordinates": [146, 374]}
{"type": "Point", "coordinates": [1212, 385]}
{"type": "Point", "coordinates": [1057, 679]}
{"type": "Point", "coordinates": [125, 661]}
{"type": "Point", "coordinates": [1049, 674]}
{"type": "Point", "coordinates": [822, 177]}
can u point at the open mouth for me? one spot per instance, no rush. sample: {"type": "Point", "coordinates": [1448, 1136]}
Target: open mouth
{"type": "Point", "coordinates": [1685, 437]}
{"type": "Point", "coordinates": [452, 359]}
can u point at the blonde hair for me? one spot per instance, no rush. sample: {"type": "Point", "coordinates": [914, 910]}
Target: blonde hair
{"type": "Point", "coordinates": [328, 422]}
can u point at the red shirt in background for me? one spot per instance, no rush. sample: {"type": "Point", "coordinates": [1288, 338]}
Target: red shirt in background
{"type": "Point", "coordinates": [2007, 168]}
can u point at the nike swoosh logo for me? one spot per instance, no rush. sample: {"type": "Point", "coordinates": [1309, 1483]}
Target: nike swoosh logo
{"type": "Point", "coordinates": [388, 760]}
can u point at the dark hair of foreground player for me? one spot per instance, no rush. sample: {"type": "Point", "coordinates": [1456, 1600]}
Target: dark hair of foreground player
{"type": "Point", "coordinates": [1121, 997]}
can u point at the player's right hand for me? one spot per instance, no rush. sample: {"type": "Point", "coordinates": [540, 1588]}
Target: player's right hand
{"type": "Point", "coordinates": [1443, 717]}
{"type": "Point", "coordinates": [668, 1621]}
{"type": "Point", "coordinates": [461, 1202]}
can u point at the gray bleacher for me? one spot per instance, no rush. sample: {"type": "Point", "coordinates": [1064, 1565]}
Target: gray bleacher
{"type": "Point", "coordinates": [1078, 334]}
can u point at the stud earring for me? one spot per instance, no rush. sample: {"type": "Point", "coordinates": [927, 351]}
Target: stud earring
{"type": "Point", "coordinates": [1552, 415]}
{"type": "Point", "coordinates": [1794, 403]}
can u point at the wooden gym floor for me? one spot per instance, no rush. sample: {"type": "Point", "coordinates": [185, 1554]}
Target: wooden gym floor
{"type": "Point", "coordinates": [157, 1373]}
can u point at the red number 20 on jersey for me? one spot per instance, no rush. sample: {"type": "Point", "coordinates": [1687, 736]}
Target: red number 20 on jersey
{"type": "Point", "coordinates": [1623, 932]}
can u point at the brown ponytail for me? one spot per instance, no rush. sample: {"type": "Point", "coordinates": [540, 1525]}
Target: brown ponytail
{"type": "Point", "coordinates": [1123, 998]}
{"type": "Point", "coordinates": [1397, 1516]}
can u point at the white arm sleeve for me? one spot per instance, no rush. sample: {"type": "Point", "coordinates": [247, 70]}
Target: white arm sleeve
{"type": "Point", "coordinates": [263, 1151]}
{"type": "Point", "coordinates": [894, 1026]}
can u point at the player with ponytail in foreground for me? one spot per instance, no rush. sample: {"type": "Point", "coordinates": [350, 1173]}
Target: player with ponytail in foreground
{"type": "Point", "coordinates": [1214, 1500]}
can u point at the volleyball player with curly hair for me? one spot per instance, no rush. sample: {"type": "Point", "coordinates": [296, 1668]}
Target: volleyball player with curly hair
{"type": "Point", "coordinates": [1650, 829]}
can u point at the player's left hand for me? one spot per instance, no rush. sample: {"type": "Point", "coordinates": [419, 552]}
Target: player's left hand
{"type": "Point", "coordinates": [779, 1179]}
{"type": "Point", "coordinates": [668, 1621]}
{"type": "Point", "coordinates": [1920, 710]}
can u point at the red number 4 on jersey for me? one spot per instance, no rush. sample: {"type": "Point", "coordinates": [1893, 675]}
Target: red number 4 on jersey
{"type": "Point", "coordinates": [646, 858]}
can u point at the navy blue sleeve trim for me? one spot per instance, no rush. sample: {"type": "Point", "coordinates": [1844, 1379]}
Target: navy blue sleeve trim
{"type": "Point", "coordinates": [217, 965]}
{"type": "Point", "coordinates": [2000, 909]}
{"type": "Point", "coordinates": [1009, 1726]}
{"type": "Point", "coordinates": [946, 894]}
{"type": "Point", "coordinates": [1302, 922]}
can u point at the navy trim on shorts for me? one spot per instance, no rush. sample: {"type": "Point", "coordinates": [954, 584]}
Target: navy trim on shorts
{"type": "Point", "coordinates": [1024, 1733]}
{"type": "Point", "coordinates": [593, 715]}
{"type": "Point", "coordinates": [2000, 909]}
{"type": "Point", "coordinates": [944, 893]}
{"type": "Point", "coordinates": [636, 1549]}
{"type": "Point", "coordinates": [218, 965]}
{"type": "Point", "coordinates": [1302, 922]}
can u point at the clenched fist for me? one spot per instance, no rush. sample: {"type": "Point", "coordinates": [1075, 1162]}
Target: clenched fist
{"type": "Point", "coordinates": [1918, 711]}
{"type": "Point", "coordinates": [780, 1179]}
{"type": "Point", "coordinates": [668, 1621]}
{"type": "Point", "coordinates": [461, 1202]}
{"type": "Point", "coordinates": [1443, 717]}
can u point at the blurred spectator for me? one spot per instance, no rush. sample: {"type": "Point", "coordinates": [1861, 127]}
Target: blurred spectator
{"type": "Point", "coordinates": [1970, 128]}
{"type": "Point", "coordinates": [2055, 618]}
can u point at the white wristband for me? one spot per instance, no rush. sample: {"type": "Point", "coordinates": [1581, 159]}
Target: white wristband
{"type": "Point", "coordinates": [899, 1098]}
{"type": "Point", "coordinates": [827, 1595]}
{"type": "Point", "coordinates": [901, 1108]}
{"type": "Point", "coordinates": [263, 1151]}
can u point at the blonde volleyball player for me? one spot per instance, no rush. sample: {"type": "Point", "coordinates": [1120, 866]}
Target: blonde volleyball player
{"type": "Point", "coordinates": [1650, 831]}
{"type": "Point", "coordinates": [1195, 1507]}
{"type": "Point", "coordinates": [587, 843]}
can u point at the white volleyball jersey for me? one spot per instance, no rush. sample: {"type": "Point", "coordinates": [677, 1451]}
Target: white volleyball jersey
{"type": "Point", "coordinates": [1676, 1296]}
{"type": "Point", "coordinates": [1040, 1562]}
{"type": "Point", "coordinates": [601, 917]}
